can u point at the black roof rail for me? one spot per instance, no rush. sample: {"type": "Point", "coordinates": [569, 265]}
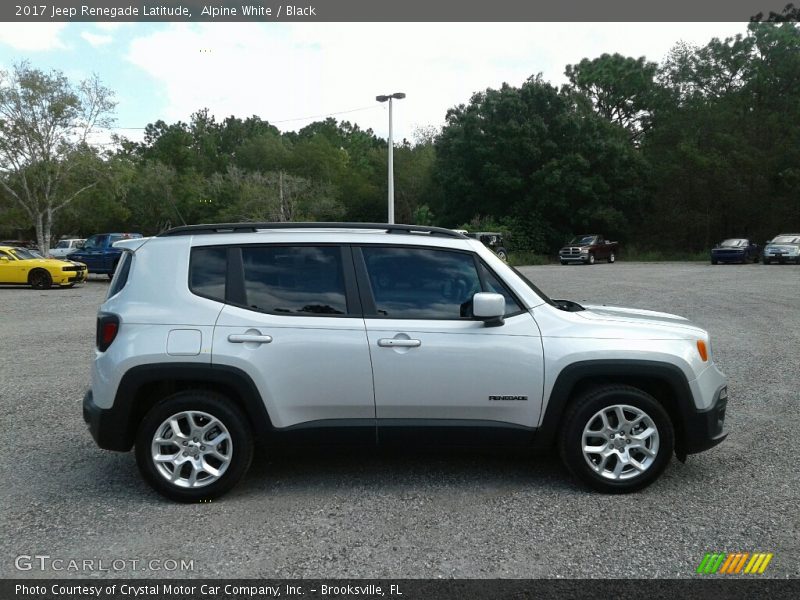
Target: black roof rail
{"type": "Point", "coordinates": [253, 227]}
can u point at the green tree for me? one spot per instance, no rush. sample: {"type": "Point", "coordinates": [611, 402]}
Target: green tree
{"type": "Point", "coordinates": [45, 124]}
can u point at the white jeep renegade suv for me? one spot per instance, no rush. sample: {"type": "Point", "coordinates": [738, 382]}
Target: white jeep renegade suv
{"type": "Point", "coordinates": [214, 336]}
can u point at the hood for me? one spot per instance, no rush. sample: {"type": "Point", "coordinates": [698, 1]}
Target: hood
{"type": "Point", "coordinates": [787, 247]}
{"type": "Point", "coordinates": [618, 314]}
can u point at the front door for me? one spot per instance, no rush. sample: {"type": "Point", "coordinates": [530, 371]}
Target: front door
{"type": "Point", "coordinates": [432, 362]}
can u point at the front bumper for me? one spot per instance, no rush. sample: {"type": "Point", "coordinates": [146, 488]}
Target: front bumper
{"type": "Point", "coordinates": [704, 429]}
{"type": "Point", "coordinates": [574, 258]}
{"type": "Point", "coordinates": [781, 258]}
{"type": "Point", "coordinates": [107, 426]}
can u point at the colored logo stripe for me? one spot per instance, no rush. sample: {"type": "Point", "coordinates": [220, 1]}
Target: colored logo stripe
{"type": "Point", "coordinates": [734, 562]}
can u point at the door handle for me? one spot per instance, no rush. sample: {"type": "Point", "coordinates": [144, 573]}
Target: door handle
{"type": "Point", "coordinates": [398, 343]}
{"type": "Point", "coordinates": [243, 338]}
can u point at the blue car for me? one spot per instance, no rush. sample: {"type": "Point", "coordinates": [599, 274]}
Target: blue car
{"type": "Point", "coordinates": [735, 250]}
{"type": "Point", "coordinates": [99, 254]}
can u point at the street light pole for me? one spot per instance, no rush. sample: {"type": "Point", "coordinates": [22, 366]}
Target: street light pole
{"type": "Point", "coordinates": [389, 97]}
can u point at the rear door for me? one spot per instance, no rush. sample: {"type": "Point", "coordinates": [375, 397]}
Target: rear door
{"type": "Point", "coordinates": [433, 363]}
{"type": "Point", "coordinates": [297, 329]}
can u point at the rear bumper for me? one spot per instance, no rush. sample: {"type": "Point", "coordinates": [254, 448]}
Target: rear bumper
{"type": "Point", "coordinates": [107, 426]}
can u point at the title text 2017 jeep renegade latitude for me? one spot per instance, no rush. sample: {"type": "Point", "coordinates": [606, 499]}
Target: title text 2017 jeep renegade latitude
{"type": "Point", "coordinates": [213, 336]}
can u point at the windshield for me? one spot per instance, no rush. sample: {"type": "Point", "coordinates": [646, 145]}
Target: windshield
{"type": "Point", "coordinates": [62, 244]}
{"type": "Point", "coordinates": [733, 243]}
{"type": "Point", "coordinates": [786, 239]}
{"type": "Point", "coordinates": [23, 254]}
{"type": "Point", "coordinates": [583, 240]}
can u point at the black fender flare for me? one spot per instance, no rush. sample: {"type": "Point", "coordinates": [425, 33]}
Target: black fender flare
{"type": "Point", "coordinates": [666, 382]}
{"type": "Point", "coordinates": [121, 421]}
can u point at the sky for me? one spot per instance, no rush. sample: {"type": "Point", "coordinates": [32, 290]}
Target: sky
{"type": "Point", "coordinates": [293, 74]}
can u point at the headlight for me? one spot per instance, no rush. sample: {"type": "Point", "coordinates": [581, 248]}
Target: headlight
{"type": "Point", "coordinates": [584, 250]}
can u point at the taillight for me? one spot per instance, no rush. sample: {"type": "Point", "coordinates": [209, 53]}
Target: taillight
{"type": "Point", "coordinates": [107, 329]}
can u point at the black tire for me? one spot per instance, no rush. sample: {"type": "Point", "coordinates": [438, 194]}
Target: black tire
{"type": "Point", "coordinates": [612, 258]}
{"type": "Point", "coordinates": [219, 407]}
{"type": "Point", "coordinates": [502, 255]}
{"type": "Point", "coordinates": [563, 262]}
{"type": "Point", "coordinates": [765, 261]}
{"type": "Point", "coordinates": [713, 262]}
{"type": "Point", "coordinates": [591, 259]}
{"type": "Point", "coordinates": [40, 279]}
{"type": "Point", "coordinates": [582, 413]}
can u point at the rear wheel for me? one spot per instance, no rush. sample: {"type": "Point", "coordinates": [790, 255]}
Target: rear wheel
{"type": "Point", "coordinates": [616, 439]}
{"type": "Point", "coordinates": [612, 258]}
{"type": "Point", "coordinates": [194, 445]}
{"type": "Point", "coordinates": [40, 279]}
{"type": "Point", "coordinates": [502, 255]}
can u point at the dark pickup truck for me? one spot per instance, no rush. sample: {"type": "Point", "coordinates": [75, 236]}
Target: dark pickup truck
{"type": "Point", "coordinates": [587, 249]}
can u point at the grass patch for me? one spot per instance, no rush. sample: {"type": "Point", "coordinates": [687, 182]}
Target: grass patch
{"type": "Point", "coordinates": [519, 259]}
{"type": "Point", "coordinates": [634, 254]}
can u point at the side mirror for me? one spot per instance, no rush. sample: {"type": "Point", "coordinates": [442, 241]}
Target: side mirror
{"type": "Point", "coordinates": [4, 259]}
{"type": "Point", "coordinates": [489, 308]}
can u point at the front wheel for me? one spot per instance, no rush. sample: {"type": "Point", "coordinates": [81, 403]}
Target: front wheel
{"type": "Point", "coordinates": [591, 259]}
{"type": "Point", "coordinates": [502, 255]}
{"type": "Point", "coordinates": [617, 439]}
{"type": "Point", "coordinates": [40, 279]}
{"type": "Point", "coordinates": [194, 445]}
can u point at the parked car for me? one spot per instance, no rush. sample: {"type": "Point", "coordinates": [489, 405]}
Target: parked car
{"type": "Point", "coordinates": [492, 240]}
{"type": "Point", "coordinates": [99, 254]}
{"type": "Point", "coordinates": [587, 249]}
{"type": "Point", "coordinates": [785, 247]}
{"type": "Point", "coordinates": [213, 337]}
{"type": "Point", "coordinates": [27, 244]}
{"type": "Point", "coordinates": [739, 250]}
{"type": "Point", "coordinates": [66, 247]}
{"type": "Point", "coordinates": [21, 266]}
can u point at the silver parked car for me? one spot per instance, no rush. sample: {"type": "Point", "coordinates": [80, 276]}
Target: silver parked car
{"type": "Point", "coordinates": [215, 336]}
{"type": "Point", "coordinates": [785, 247]}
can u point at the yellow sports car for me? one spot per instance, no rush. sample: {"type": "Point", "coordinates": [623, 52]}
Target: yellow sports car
{"type": "Point", "coordinates": [23, 266]}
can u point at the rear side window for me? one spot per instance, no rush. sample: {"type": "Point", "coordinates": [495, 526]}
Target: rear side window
{"type": "Point", "coordinates": [207, 269]}
{"type": "Point", "coordinates": [295, 280]}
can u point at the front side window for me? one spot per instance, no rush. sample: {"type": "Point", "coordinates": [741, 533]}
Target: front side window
{"type": "Point", "coordinates": [421, 283]}
{"type": "Point", "coordinates": [295, 280]}
{"type": "Point", "coordinates": [96, 242]}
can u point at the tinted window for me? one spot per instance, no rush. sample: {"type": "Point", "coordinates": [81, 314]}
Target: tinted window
{"type": "Point", "coordinates": [494, 285]}
{"type": "Point", "coordinates": [95, 242]}
{"type": "Point", "coordinates": [121, 276]}
{"type": "Point", "coordinates": [295, 280]}
{"type": "Point", "coordinates": [207, 270]}
{"type": "Point", "coordinates": [420, 283]}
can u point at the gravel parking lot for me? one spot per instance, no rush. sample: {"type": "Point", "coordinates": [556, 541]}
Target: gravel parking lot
{"type": "Point", "coordinates": [443, 514]}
